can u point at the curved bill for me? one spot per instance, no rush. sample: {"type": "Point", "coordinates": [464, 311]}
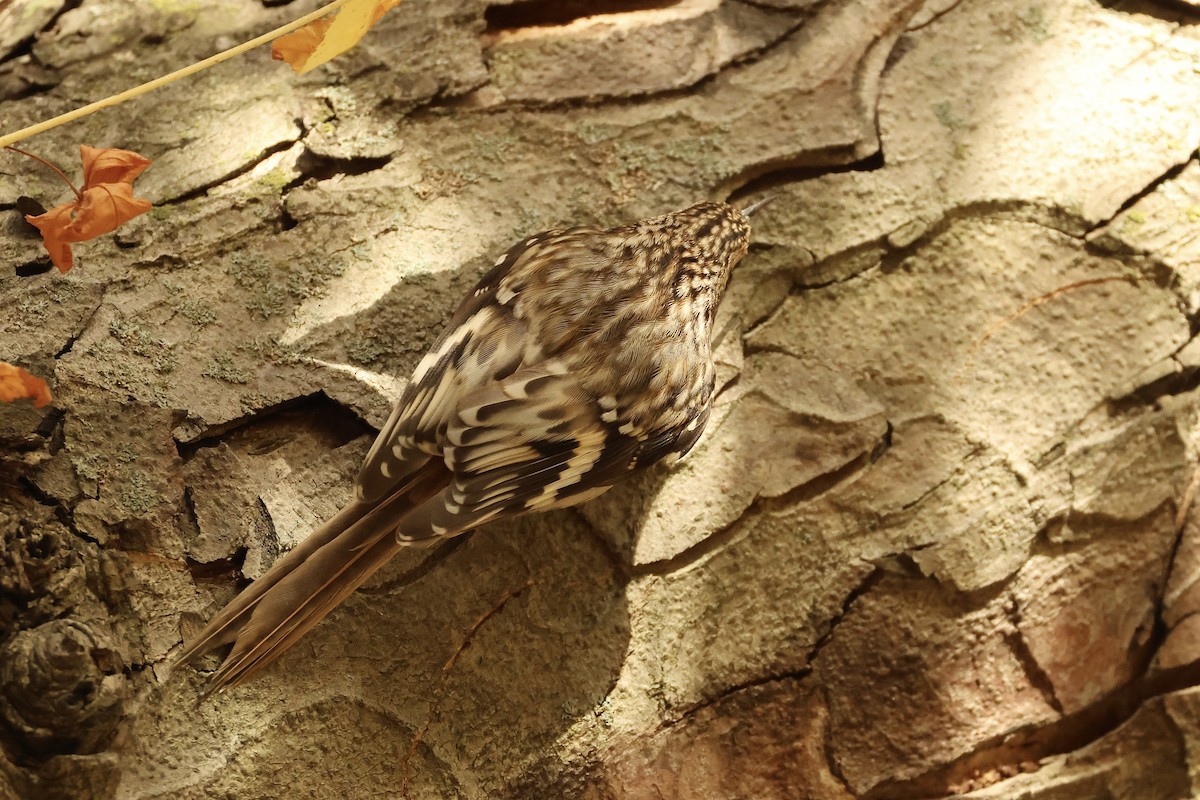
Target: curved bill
{"type": "Point", "coordinates": [756, 205]}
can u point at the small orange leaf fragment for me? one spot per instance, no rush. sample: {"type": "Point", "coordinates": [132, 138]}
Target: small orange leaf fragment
{"type": "Point", "coordinates": [16, 383]}
{"type": "Point", "coordinates": [110, 165]}
{"type": "Point", "coordinates": [327, 38]}
{"type": "Point", "coordinates": [106, 202]}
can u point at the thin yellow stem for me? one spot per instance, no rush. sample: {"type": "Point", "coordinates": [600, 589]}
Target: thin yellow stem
{"type": "Point", "coordinates": [192, 69]}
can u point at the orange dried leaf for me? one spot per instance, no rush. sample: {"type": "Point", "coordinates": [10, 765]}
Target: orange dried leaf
{"type": "Point", "coordinates": [16, 384]}
{"type": "Point", "coordinates": [110, 165]}
{"type": "Point", "coordinates": [106, 202]}
{"type": "Point", "coordinates": [297, 46]}
{"type": "Point", "coordinates": [323, 40]}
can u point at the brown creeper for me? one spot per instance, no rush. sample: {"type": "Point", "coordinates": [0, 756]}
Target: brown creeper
{"type": "Point", "coordinates": [582, 356]}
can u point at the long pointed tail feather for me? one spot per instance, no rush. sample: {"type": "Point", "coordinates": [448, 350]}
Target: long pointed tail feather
{"type": "Point", "coordinates": [300, 589]}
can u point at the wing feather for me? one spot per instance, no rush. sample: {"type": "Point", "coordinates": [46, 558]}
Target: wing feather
{"type": "Point", "coordinates": [522, 444]}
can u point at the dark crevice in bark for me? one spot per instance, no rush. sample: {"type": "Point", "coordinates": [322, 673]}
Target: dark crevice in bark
{"type": "Point", "coordinates": [1184, 380]}
{"type": "Point", "coordinates": [51, 428]}
{"type": "Point", "coordinates": [812, 489]}
{"type": "Point", "coordinates": [32, 89]}
{"type": "Point", "coordinates": [849, 255]}
{"type": "Point", "coordinates": [904, 43]}
{"type": "Point", "coordinates": [894, 254]}
{"type": "Point", "coordinates": [312, 166]}
{"type": "Point", "coordinates": [966, 463]}
{"type": "Point", "coordinates": [729, 691]}
{"type": "Point", "coordinates": [1161, 628]}
{"type": "Point", "coordinates": [762, 178]}
{"type": "Point", "coordinates": [1177, 11]}
{"type": "Point", "coordinates": [641, 98]}
{"type": "Point", "coordinates": [203, 189]}
{"type": "Point", "coordinates": [869, 581]}
{"type": "Point", "coordinates": [1020, 750]}
{"type": "Point", "coordinates": [315, 412]}
{"type": "Point", "coordinates": [1050, 216]}
{"type": "Point", "coordinates": [29, 206]}
{"type": "Point", "coordinates": [270, 533]}
{"type": "Point", "coordinates": [1145, 192]}
{"type": "Point", "coordinates": [219, 569]}
{"type": "Point", "coordinates": [556, 13]}
{"type": "Point", "coordinates": [33, 268]}
{"type": "Point", "coordinates": [286, 220]}
{"type": "Point", "coordinates": [36, 492]}
{"type": "Point", "coordinates": [936, 17]}
{"type": "Point", "coordinates": [800, 674]}
{"type": "Point", "coordinates": [25, 46]}
{"type": "Point", "coordinates": [809, 490]}
{"type": "Point", "coordinates": [75, 337]}
{"type": "Point", "coordinates": [718, 540]}
{"type": "Point", "coordinates": [1034, 673]}
{"type": "Point", "coordinates": [1012, 752]}
{"type": "Point", "coordinates": [21, 48]}
{"type": "Point", "coordinates": [19, 228]}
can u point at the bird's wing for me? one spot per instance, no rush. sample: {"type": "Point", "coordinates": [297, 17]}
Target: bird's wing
{"type": "Point", "coordinates": [484, 342]}
{"type": "Point", "coordinates": [486, 346]}
{"type": "Point", "coordinates": [532, 442]}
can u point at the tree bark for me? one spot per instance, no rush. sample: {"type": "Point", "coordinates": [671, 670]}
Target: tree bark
{"type": "Point", "coordinates": [936, 541]}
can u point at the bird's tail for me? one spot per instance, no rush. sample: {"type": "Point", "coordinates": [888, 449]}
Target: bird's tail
{"type": "Point", "coordinates": [272, 613]}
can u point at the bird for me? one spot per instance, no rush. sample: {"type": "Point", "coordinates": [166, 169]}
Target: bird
{"type": "Point", "coordinates": [583, 356]}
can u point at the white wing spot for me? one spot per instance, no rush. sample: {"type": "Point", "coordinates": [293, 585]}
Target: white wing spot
{"type": "Point", "coordinates": [438, 530]}
{"type": "Point", "coordinates": [504, 294]}
{"type": "Point", "coordinates": [385, 469]}
{"type": "Point", "coordinates": [627, 428]}
{"type": "Point", "coordinates": [609, 416]}
{"type": "Point", "coordinates": [519, 390]}
{"type": "Point", "coordinates": [608, 401]}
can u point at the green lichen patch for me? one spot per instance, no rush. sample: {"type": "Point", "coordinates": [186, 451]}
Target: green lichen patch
{"type": "Point", "coordinates": [224, 368]}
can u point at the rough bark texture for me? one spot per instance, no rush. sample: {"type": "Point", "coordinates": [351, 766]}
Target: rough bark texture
{"type": "Point", "coordinates": [936, 541]}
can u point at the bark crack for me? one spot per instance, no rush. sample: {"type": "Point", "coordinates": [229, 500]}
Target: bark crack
{"type": "Point", "coordinates": [1147, 190]}
{"type": "Point", "coordinates": [203, 189]}
{"type": "Point", "coordinates": [25, 46]}
{"type": "Point", "coordinates": [674, 93]}
{"type": "Point", "coordinates": [805, 492]}
{"type": "Point", "coordinates": [935, 17]}
{"type": "Point", "coordinates": [1034, 673]}
{"type": "Point", "coordinates": [83, 327]}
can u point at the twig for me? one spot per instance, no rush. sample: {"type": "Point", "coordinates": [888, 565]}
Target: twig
{"type": "Point", "coordinates": [441, 687]}
{"type": "Point", "coordinates": [1034, 303]}
{"type": "Point", "coordinates": [41, 160]}
{"type": "Point", "coordinates": [192, 69]}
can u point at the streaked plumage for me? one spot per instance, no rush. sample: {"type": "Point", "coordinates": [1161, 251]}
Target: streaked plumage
{"type": "Point", "coordinates": [582, 356]}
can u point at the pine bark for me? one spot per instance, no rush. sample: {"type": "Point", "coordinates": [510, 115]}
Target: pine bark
{"type": "Point", "coordinates": [937, 540]}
